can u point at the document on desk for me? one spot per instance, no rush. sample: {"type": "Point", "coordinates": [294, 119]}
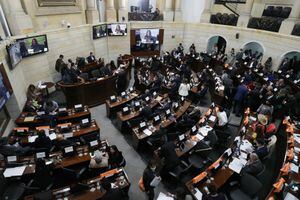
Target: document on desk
{"type": "Point", "coordinates": [52, 136]}
{"type": "Point", "coordinates": [198, 194]}
{"type": "Point", "coordinates": [199, 137]}
{"type": "Point", "coordinates": [28, 119]}
{"type": "Point", "coordinates": [15, 171]}
{"type": "Point", "coordinates": [212, 118]}
{"type": "Point", "coordinates": [31, 139]}
{"type": "Point", "coordinates": [204, 130]}
{"type": "Point", "coordinates": [294, 168]}
{"type": "Point", "coordinates": [147, 132]}
{"type": "Point", "coordinates": [236, 165]}
{"type": "Point", "coordinates": [289, 196]}
{"type": "Point", "coordinates": [163, 196]}
{"type": "Point", "coordinates": [246, 146]}
{"type": "Point", "coordinates": [68, 135]}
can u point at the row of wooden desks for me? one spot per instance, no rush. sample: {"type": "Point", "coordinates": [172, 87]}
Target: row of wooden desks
{"type": "Point", "coordinates": [121, 119]}
{"type": "Point", "coordinates": [81, 155]}
{"type": "Point", "coordinates": [34, 119]}
{"type": "Point", "coordinates": [113, 107]}
{"type": "Point", "coordinates": [117, 177]}
{"type": "Point", "coordinates": [73, 131]}
{"type": "Point", "coordinates": [139, 136]}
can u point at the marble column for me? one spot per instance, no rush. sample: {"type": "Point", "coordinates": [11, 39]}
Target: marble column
{"type": "Point", "coordinates": [257, 8]}
{"type": "Point", "coordinates": [111, 14]}
{"type": "Point", "coordinates": [92, 14]}
{"type": "Point", "coordinates": [287, 25]}
{"type": "Point", "coordinates": [168, 13]}
{"type": "Point", "coordinates": [177, 13]}
{"type": "Point", "coordinates": [205, 17]}
{"type": "Point", "coordinates": [245, 14]}
{"type": "Point", "coordinates": [122, 12]}
{"type": "Point", "coordinates": [19, 22]}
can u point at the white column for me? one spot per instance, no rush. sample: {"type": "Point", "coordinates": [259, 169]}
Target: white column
{"type": "Point", "coordinates": [92, 14]}
{"type": "Point", "coordinates": [122, 12]}
{"type": "Point", "coordinates": [111, 14]}
{"type": "Point", "coordinates": [205, 17]}
{"type": "Point", "coordinates": [245, 15]}
{"type": "Point", "coordinates": [168, 13]}
{"type": "Point", "coordinates": [19, 22]}
{"type": "Point", "coordinates": [287, 25]}
{"type": "Point", "coordinates": [177, 13]}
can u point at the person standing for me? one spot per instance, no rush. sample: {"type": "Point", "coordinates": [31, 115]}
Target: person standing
{"type": "Point", "coordinates": [239, 99]}
{"type": "Point", "coordinates": [59, 63]}
{"type": "Point", "coordinates": [184, 88]}
{"type": "Point", "coordinates": [150, 173]}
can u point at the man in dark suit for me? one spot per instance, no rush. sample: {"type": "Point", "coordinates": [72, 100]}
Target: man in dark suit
{"type": "Point", "coordinates": [91, 58]}
{"type": "Point", "coordinates": [149, 174]}
{"type": "Point", "coordinates": [112, 194]}
{"type": "Point", "coordinates": [168, 152]}
{"type": "Point", "coordinates": [42, 141]}
{"type": "Point", "coordinates": [59, 63]}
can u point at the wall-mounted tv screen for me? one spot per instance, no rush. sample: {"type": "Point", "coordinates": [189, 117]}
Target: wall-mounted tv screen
{"type": "Point", "coordinates": [147, 39]}
{"type": "Point", "coordinates": [99, 31]}
{"type": "Point", "coordinates": [14, 54]}
{"type": "Point", "coordinates": [117, 29]}
{"type": "Point", "coordinates": [33, 45]}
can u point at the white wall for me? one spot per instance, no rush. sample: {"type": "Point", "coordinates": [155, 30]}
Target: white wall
{"type": "Point", "coordinates": [192, 10]}
{"type": "Point", "coordinates": [138, 3]}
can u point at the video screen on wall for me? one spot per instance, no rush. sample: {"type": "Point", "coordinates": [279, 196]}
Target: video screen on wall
{"type": "Point", "coordinates": [14, 54]}
{"type": "Point", "coordinates": [147, 40]}
{"type": "Point", "coordinates": [99, 31]}
{"type": "Point", "coordinates": [33, 45]}
{"type": "Point", "coordinates": [117, 29]}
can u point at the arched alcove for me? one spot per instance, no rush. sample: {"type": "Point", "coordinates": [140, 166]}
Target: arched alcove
{"type": "Point", "coordinates": [290, 60]}
{"type": "Point", "coordinates": [216, 40]}
{"type": "Point", "coordinates": [255, 47]}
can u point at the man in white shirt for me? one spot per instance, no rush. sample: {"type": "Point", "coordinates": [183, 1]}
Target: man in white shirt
{"type": "Point", "coordinates": [222, 117]}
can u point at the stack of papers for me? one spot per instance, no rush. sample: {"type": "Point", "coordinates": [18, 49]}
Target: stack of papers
{"type": "Point", "coordinates": [236, 165]}
{"type": "Point", "coordinates": [212, 118]}
{"type": "Point", "coordinates": [204, 130]}
{"type": "Point", "coordinates": [162, 196]}
{"type": "Point", "coordinates": [147, 132]}
{"type": "Point", "coordinates": [28, 119]}
{"type": "Point", "coordinates": [15, 171]}
{"type": "Point", "coordinates": [246, 146]}
{"type": "Point", "coordinates": [294, 168]}
{"type": "Point", "coordinates": [31, 139]}
{"type": "Point", "coordinates": [198, 136]}
{"type": "Point", "coordinates": [198, 194]}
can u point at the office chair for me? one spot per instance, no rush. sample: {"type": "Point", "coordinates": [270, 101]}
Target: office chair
{"type": "Point", "coordinates": [73, 175]}
{"type": "Point", "coordinates": [11, 190]}
{"type": "Point", "coordinates": [179, 170]}
{"type": "Point", "coordinates": [85, 76]}
{"type": "Point", "coordinates": [197, 161]}
{"type": "Point", "coordinates": [260, 176]}
{"type": "Point", "coordinates": [248, 189]}
{"type": "Point", "coordinates": [96, 73]}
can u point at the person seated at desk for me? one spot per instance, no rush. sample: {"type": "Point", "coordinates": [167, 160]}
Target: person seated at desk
{"type": "Point", "coordinates": [265, 108]}
{"type": "Point", "coordinates": [61, 142]}
{"type": "Point", "coordinates": [91, 58]}
{"type": "Point", "coordinates": [74, 69]}
{"type": "Point", "coordinates": [168, 152]}
{"type": "Point", "coordinates": [50, 107]}
{"type": "Point", "coordinates": [42, 141]}
{"type": "Point", "coordinates": [115, 157]}
{"type": "Point", "coordinates": [11, 148]}
{"type": "Point", "coordinates": [261, 149]}
{"type": "Point", "coordinates": [112, 193]}
{"type": "Point", "coordinates": [80, 62]}
{"type": "Point", "coordinates": [149, 174]}
{"type": "Point", "coordinates": [33, 93]}
{"type": "Point", "coordinates": [214, 195]}
{"type": "Point", "coordinates": [105, 70]}
{"type": "Point", "coordinates": [113, 66]}
{"type": "Point", "coordinates": [254, 166]}
{"type": "Point", "coordinates": [99, 160]}
{"type": "Point", "coordinates": [146, 111]}
{"type": "Point", "coordinates": [222, 117]}
{"type": "Point", "coordinates": [31, 106]}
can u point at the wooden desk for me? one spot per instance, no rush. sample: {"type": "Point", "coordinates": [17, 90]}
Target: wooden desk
{"type": "Point", "coordinates": [76, 130]}
{"type": "Point", "coordinates": [120, 179]}
{"type": "Point", "coordinates": [42, 120]}
{"type": "Point", "coordinates": [92, 93]}
{"type": "Point", "coordinates": [138, 136]}
{"type": "Point", "coordinates": [122, 119]}
{"type": "Point", "coordinates": [113, 107]}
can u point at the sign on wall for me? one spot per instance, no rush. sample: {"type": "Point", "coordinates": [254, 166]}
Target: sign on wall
{"type": "Point", "coordinates": [45, 3]}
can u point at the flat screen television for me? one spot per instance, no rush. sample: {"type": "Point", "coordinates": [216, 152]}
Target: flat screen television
{"type": "Point", "coordinates": [14, 54]}
{"type": "Point", "coordinates": [117, 29]}
{"type": "Point", "coordinates": [99, 31]}
{"type": "Point", "coordinates": [147, 40]}
{"type": "Point", "coordinates": [33, 45]}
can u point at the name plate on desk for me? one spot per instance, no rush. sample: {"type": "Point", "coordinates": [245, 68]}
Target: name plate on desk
{"type": "Point", "coordinates": [68, 135]}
